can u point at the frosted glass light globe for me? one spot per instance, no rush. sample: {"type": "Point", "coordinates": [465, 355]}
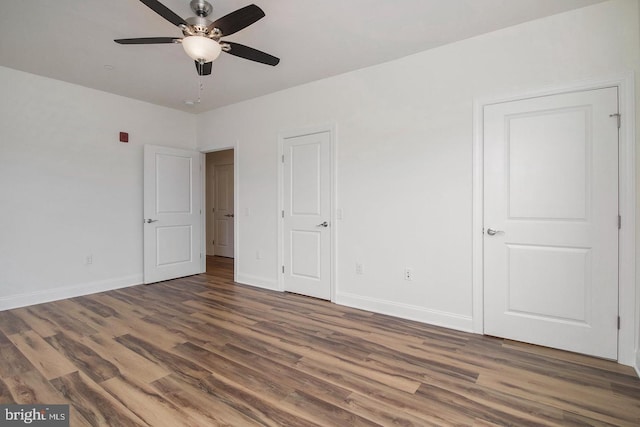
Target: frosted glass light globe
{"type": "Point", "coordinates": [201, 48]}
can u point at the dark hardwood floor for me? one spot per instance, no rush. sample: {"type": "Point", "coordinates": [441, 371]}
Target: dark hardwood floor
{"type": "Point", "coordinates": [203, 351]}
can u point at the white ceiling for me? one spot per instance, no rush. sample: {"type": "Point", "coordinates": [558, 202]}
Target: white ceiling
{"type": "Point", "coordinates": [72, 40]}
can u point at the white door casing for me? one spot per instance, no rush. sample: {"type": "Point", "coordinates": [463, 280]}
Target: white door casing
{"type": "Point", "coordinates": [209, 199]}
{"type": "Point", "coordinates": [172, 213]}
{"type": "Point", "coordinates": [306, 220]}
{"type": "Point", "coordinates": [224, 213]}
{"type": "Point", "coordinates": [551, 191]}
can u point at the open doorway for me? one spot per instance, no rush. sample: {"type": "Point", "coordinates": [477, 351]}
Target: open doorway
{"type": "Point", "coordinates": [220, 212]}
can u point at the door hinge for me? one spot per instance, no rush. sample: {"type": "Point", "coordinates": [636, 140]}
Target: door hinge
{"type": "Point", "coordinates": [619, 222]}
{"type": "Point", "coordinates": [618, 322]}
{"type": "Point", "coordinates": [618, 116]}
{"type": "Point", "coordinates": [283, 158]}
{"type": "Point", "coordinates": [201, 255]}
{"type": "Point", "coordinates": [283, 268]}
{"type": "Point", "coordinates": [283, 214]}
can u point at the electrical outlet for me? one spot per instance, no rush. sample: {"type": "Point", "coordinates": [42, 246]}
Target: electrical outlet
{"type": "Point", "coordinates": [359, 268]}
{"type": "Point", "coordinates": [408, 274]}
{"type": "Point", "coordinates": [88, 260]}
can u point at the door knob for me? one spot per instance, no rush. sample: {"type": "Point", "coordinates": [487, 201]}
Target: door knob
{"type": "Point", "coordinates": [324, 224]}
{"type": "Point", "coordinates": [229, 215]}
{"type": "Point", "coordinates": [492, 232]}
{"type": "Point", "coordinates": [149, 221]}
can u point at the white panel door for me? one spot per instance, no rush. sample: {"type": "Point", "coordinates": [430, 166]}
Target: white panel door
{"type": "Point", "coordinates": [224, 216]}
{"type": "Point", "coordinates": [551, 221]}
{"type": "Point", "coordinates": [307, 209]}
{"type": "Point", "coordinates": [172, 215]}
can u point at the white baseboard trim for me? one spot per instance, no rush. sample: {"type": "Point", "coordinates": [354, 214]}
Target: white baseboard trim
{"type": "Point", "coordinates": [637, 364]}
{"type": "Point", "coordinates": [258, 282]}
{"type": "Point", "coordinates": [406, 311]}
{"type": "Point", "coordinates": [48, 295]}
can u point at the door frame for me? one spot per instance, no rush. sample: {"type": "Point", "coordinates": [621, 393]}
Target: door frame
{"type": "Point", "coordinates": [628, 302]}
{"type": "Point", "coordinates": [236, 230]}
{"type": "Point", "coordinates": [331, 128]}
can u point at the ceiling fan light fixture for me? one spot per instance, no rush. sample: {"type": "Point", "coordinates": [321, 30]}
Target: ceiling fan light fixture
{"type": "Point", "coordinates": [202, 37]}
{"type": "Point", "coordinates": [200, 48]}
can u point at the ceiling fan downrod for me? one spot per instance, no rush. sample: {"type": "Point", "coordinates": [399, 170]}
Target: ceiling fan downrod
{"type": "Point", "coordinates": [201, 8]}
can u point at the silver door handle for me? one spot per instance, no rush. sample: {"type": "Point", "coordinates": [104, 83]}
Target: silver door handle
{"type": "Point", "coordinates": [492, 232]}
{"type": "Point", "coordinates": [324, 224]}
{"type": "Point", "coordinates": [149, 221]}
{"type": "Point", "coordinates": [229, 215]}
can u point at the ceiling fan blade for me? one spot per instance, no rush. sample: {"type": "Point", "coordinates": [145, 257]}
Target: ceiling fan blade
{"type": "Point", "coordinates": [251, 54]}
{"type": "Point", "coordinates": [236, 21]}
{"type": "Point", "coordinates": [165, 12]}
{"type": "Point", "coordinates": [204, 69]}
{"type": "Point", "coordinates": [147, 40]}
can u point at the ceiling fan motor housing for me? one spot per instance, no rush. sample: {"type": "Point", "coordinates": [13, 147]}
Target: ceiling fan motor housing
{"type": "Point", "coordinates": [198, 25]}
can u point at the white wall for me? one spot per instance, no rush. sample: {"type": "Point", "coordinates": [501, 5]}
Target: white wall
{"type": "Point", "coordinates": [404, 154]}
{"type": "Point", "coordinates": [69, 188]}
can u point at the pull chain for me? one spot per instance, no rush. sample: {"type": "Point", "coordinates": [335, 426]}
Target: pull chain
{"type": "Point", "coordinates": [199, 88]}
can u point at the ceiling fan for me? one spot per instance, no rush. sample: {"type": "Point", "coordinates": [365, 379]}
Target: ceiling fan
{"type": "Point", "coordinates": [201, 39]}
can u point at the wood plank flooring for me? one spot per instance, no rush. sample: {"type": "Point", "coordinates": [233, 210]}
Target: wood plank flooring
{"type": "Point", "coordinates": [203, 351]}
